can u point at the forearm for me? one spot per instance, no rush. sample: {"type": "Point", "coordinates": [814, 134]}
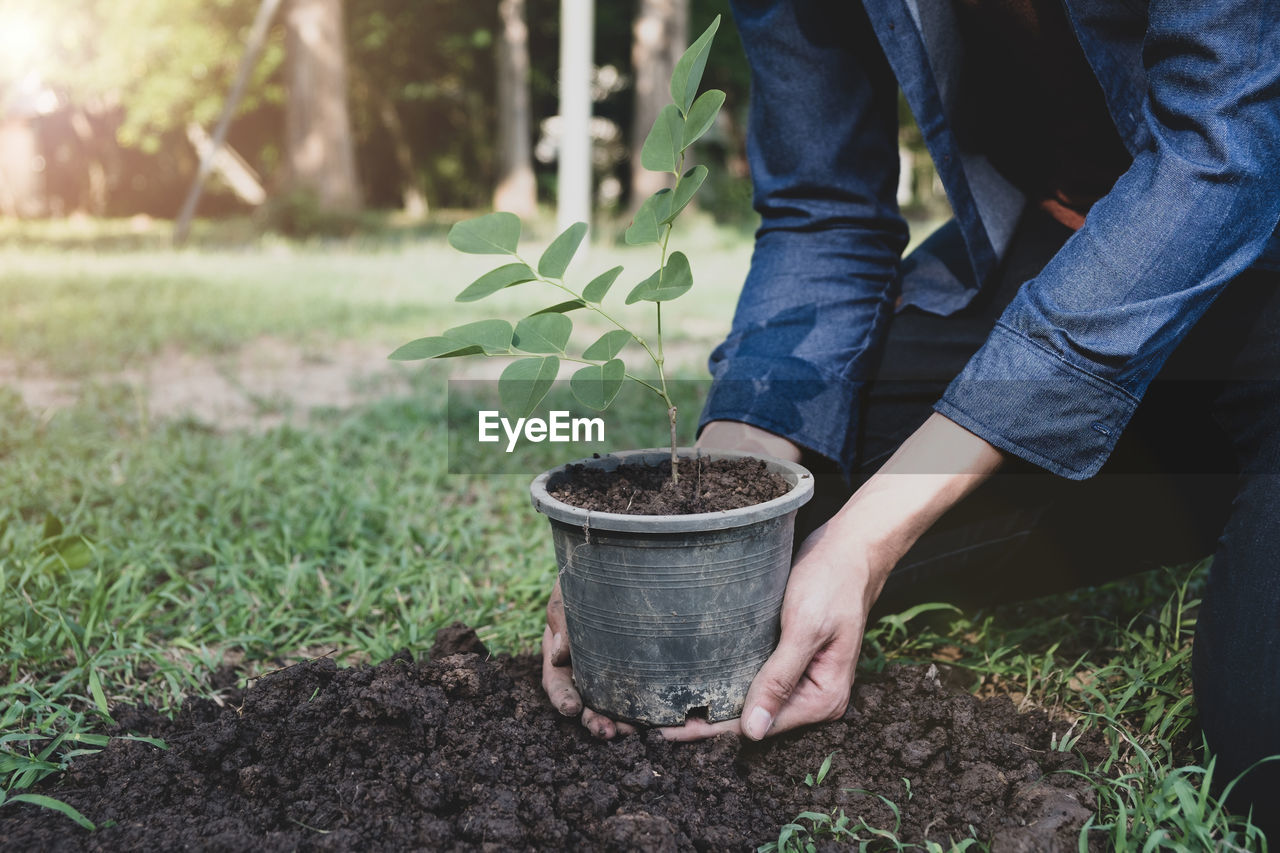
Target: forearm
{"type": "Point", "coordinates": [734, 435]}
{"type": "Point", "coordinates": [937, 466]}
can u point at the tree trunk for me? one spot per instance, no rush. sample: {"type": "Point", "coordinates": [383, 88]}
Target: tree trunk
{"type": "Point", "coordinates": [659, 37]}
{"type": "Point", "coordinates": [413, 198]}
{"type": "Point", "coordinates": [21, 186]}
{"type": "Point", "coordinates": [515, 190]}
{"type": "Point", "coordinates": [319, 151]}
{"type": "Point", "coordinates": [95, 203]}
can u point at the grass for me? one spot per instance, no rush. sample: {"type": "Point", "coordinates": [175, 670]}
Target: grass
{"type": "Point", "coordinates": [73, 309]}
{"type": "Point", "coordinates": [1116, 659]}
{"type": "Point", "coordinates": [138, 555]}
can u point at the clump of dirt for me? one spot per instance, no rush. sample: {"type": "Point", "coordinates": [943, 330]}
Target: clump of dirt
{"type": "Point", "coordinates": [463, 752]}
{"type": "Point", "coordinates": [705, 485]}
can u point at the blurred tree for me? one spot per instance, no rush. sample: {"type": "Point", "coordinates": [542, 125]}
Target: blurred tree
{"type": "Point", "coordinates": [660, 35]}
{"type": "Point", "coordinates": [428, 67]}
{"type": "Point", "coordinates": [129, 76]}
{"type": "Point", "coordinates": [515, 190]}
{"type": "Point", "coordinates": [319, 149]}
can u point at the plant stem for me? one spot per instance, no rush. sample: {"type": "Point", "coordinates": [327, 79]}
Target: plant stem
{"type": "Point", "coordinates": [657, 357]}
{"type": "Point", "coordinates": [660, 361]}
{"type": "Point", "coordinates": [671, 414]}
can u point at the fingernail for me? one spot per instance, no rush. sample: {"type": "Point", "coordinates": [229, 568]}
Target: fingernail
{"type": "Point", "coordinates": [557, 640]}
{"type": "Point", "coordinates": [758, 724]}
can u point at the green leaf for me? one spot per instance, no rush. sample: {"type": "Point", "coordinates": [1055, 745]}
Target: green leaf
{"type": "Point", "coordinates": [95, 690]}
{"type": "Point", "coordinates": [492, 336]}
{"type": "Point", "coordinates": [609, 345]}
{"type": "Point", "coordinates": [688, 72]}
{"type": "Point", "coordinates": [491, 234]}
{"type": "Point", "coordinates": [52, 526]}
{"type": "Point", "coordinates": [825, 768]}
{"type": "Point", "coordinates": [702, 115]}
{"type": "Point", "coordinates": [644, 226]}
{"type": "Point", "coordinates": [555, 260]}
{"type": "Point", "coordinates": [433, 347]}
{"type": "Point", "coordinates": [599, 286]}
{"type": "Point", "coordinates": [56, 805]}
{"type": "Point", "coordinates": [662, 147]}
{"type": "Point", "coordinates": [495, 280]}
{"type": "Point", "coordinates": [89, 738]}
{"type": "Point", "coordinates": [543, 333]}
{"type": "Point", "coordinates": [596, 385]}
{"type": "Point", "coordinates": [563, 307]}
{"type": "Point", "coordinates": [525, 382]}
{"type": "Point", "coordinates": [684, 191]}
{"type": "Point", "coordinates": [666, 284]}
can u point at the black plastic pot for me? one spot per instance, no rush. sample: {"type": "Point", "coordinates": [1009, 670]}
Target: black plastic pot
{"type": "Point", "coordinates": [672, 615]}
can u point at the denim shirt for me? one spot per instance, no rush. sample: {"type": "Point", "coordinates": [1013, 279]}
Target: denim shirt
{"type": "Point", "coordinates": [1193, 88]}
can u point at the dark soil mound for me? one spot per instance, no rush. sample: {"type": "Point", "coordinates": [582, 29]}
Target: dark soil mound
{"type": "Point", "coordinates": [705, 485]}
{"type": "Point", "coordinates": [461, 752]}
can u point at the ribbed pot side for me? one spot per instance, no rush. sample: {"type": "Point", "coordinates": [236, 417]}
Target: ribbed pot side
{"type": "Point", "coordinates": [672, 614]}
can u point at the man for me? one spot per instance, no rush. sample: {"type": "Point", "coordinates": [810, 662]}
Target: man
{"type": "Point", "coordinates": [1100, 323]}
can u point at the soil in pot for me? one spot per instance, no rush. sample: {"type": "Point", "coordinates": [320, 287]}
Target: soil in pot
{"type": "Point", "coordinates": [705, 485]}
{"type": "Point", "coordinates": [462, 752]}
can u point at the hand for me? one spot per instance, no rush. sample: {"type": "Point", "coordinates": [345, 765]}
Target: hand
{"type": "Point", "coordinates": [835, 580]}
{"type": "Point", "coordinates": [557, 674]}
{"type": "Point", "coordinates": [809, 676]}
{"type": "Point", "coordinates": [839, 573]}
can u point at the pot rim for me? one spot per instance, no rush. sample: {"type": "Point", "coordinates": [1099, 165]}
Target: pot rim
{"type": "Point", "coordinates": [798, 476]}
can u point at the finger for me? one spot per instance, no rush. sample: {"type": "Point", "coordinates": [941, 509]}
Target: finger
{"type": "Point", "coordinates": [775, 683]}
{"type": "Point", "coordinates": [557, 681]}
{"type": "Point", "coordinates": [823, 691]}
{"type": "Point", "coordinates": [696, 729]}
{"type": "Point", "coordinates": [603, 727]}
{"type": "Point", "coordinates": [559, 630]}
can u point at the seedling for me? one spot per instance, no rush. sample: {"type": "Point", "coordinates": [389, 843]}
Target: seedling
{"type": "Point", "coordinates": [809, 778]}
{"type": "Point", "coordinates": [541, 341]}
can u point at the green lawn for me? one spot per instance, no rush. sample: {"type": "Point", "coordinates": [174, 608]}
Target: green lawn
{"type": "Point", "coordinates": [75, 309]}
{"type": "Point", "coordinates": [137, 554]}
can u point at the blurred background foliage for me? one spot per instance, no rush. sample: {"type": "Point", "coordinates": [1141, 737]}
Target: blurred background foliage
{"type": "Point", "coordinates": [98, 99]}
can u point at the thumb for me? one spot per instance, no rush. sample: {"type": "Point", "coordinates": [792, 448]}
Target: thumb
{"type": "Point", "coordinates": [774, 684]}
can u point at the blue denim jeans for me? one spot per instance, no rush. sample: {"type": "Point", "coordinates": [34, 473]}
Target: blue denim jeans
{"type": "Point", "coordinates": [1196, 473]}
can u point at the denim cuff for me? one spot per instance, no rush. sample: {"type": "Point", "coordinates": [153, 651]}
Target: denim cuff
{"type": "Point", "coordinates": [1030, 402]}
{"type": "Point", "coordinates": [790, 397]}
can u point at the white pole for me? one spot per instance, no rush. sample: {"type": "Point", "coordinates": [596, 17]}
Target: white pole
{"type": "Point", "coordinates": [577, 45]}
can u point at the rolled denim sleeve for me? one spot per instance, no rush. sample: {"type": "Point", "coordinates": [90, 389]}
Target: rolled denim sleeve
{"type": "Point", "coordinates": [1072, 355]}
{"type": "Point", "coordinates": [822, 143]}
